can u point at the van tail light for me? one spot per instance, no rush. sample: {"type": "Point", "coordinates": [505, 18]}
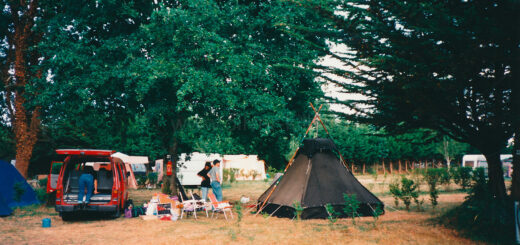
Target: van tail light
{"type": "Point", "coordinates": [58, 193]}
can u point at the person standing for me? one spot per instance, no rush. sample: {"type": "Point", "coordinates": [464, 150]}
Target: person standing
{"type": "Point", "coordinates": [214, 174]}
{"type": "Point", "coordinates": [87, 179]}
{"type": "Point", "coordinates": [206, 183]}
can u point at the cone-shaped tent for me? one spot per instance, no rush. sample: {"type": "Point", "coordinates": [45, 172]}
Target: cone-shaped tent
{"type": "Point", "coordinates": [314, 179]}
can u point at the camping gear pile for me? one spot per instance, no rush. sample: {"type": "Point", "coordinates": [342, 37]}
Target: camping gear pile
{"type": "Point", "coordinates": [162, 207]}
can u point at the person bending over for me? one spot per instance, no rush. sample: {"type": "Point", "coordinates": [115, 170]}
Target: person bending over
{"type": "Point", "coordinates": [87, 181]}
{"type": "Point", "coordinates": [205, 184]}
{"type": "Point", "coordinates": [214, 173]}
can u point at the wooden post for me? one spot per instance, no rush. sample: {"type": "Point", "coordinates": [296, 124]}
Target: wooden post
{"type": "Point", "coordinates": [399, 166]}
{"type": "Point", "coordinates": [363, 168]}
{"type": "Point", "coordinates": [406, 166]}
{"type": "Point", "coordinates": [391, 167]}
{"type": "Point", "coordinates": [413, 165]}
{"type": "Point", "coordinates": [353, 168]}
{"type": "Point", "coordinates": [383, 163]}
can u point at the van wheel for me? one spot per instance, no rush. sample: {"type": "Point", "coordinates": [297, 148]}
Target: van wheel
{"type": "Point", "coordinates": [67, 216]}
{"type": "Point", "coordinates": [116, 214]}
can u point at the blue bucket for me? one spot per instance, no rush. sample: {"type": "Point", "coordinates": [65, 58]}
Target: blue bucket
{"type": "Point", "coordinates": [46, 223]}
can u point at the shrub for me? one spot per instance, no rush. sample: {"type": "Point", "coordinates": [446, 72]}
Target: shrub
{"type": "Point", "coordinates": [445, 176]}
{"type": "Point", "coordinates": [152, 178]}
{"type": "Point", "coordinates": [463, 177]}
{"type": "Point", "coordinates": [396, 192]}
{"type": "Point", "coordinates": [141, 180]}
{"type": "Point", "coordinates": [298, 210]}
{"type": "Point", "coordinates": [42, 195]}
{"type": "Point", "coordinates": [272, 172]}
{"type": "Point", "coordinates": [225, 174]}
{"type": "Point", "coordinates": [42, 183]}
{"type": "Point", "coordinates": [333, 215]}
{"type": "Point", "coordinates": [238, 211]}
{"type": "Point", "coordinates": [254, 174]}
{"type": "Point", "coordinates": [232, 174]}
{"type": "Point", "coordinates": [351, 206]}
{"type": "Point", "coordinates": [377, 212]}
{"type": "Point", "coordinates": [481, 215]}
{"type": "Point", "coordinates": [406, 191]}
{"type": "Point", "coordinates": [19, 190]}
{"type": "Point", "coordinates": [433, 178]}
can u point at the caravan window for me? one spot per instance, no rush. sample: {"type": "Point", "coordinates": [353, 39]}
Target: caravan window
{"type": "Point", "coordinates": [469, 163]}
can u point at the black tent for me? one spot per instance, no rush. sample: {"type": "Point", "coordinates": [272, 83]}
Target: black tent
{"type": "Point", "coordinates": [315, 178]}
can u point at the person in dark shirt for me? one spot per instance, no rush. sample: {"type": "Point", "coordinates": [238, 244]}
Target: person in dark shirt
{"type": "Point", "coordinates": [205, 184]}
{"type": "Point", "coordinates": [87, 179]}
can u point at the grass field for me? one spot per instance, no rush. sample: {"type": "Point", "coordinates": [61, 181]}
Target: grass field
{"type": "Point", "coordinates": [396, 226]}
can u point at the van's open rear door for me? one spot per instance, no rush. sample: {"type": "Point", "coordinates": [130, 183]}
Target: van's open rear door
{"type": "Point", "coordinates": [52, 179]}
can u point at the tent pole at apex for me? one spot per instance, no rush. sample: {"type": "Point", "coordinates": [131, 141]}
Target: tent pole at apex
{"type": "Point", "coordinates": [322, 124]}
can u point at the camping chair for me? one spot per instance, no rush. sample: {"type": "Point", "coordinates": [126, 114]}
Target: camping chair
{"type": "Point", "coordinates": [200, 204]}
{"type": "Point", "coordinates": [219, 206]}
{"type": "Point", "coordinates": [188, 206]}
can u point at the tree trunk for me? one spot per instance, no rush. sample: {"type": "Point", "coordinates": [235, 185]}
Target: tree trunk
{"type": "Point", "coordinates": [496, 175]}
{"type": "Point", "coordinates": [384, 169]}
{"type": "Point", "coordinates": [406, 166]}
{"type": "Point", "coordinates": [363, 168]}
{"type": "Point", "coordinates": [515, 185]}
{"type": "Point", "coordinates": [391, 167]}
{"type": "Point", "coordinates": [23, 60]}
{"type": "Point", "coordinates": [174, 157]}
{"type": "Point", "coordinates": [399, 162]}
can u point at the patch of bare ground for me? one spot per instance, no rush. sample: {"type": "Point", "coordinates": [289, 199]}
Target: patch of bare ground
{"type": "Point", "coordinates": [396, 226]}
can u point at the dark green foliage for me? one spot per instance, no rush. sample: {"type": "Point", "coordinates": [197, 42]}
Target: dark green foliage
{"type": "Point", "coordinates": [42, 183]}
{"type": "Point", "coordinates": [450, 66]}
{"type": "Point", "coordinates": [351, 206]}
{"type": "Point", "coordinates": [298, 209]}
{"type": "Point", "coordinates": [462, 176]}
{"type": "Point", "coordinates": [152, 178]}
{"type": "Point", "coordinates": [141, 180]}
{"type": "Point", "coordinates": [445, 176]}
{"type": "Point", "coordinates": [238, 210]}
{"type": "Point", "coordinates": [406, 191]}
{"type": "Point", "coordinates": [42, 195]}
{"type": "Point", "coordinates": [483, 216]}
{"type": "Point", "coordinates": [232, 174]}
{"type": "Point", "coordinates": [396, 192]}
{"type": "Point", "coordinates": [333, 215]}
{"type": "Point", "coordinates": [19, 190]}
{"type": "Point", "coordinates": [378, 211]}
{"type": "Point", "coordinates": [433, 178]}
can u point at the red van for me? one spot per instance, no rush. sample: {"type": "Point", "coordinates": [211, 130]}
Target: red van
{"type": "Point", "coordinates": [112, 182]}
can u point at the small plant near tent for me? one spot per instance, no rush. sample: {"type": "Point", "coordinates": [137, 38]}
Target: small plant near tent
{"type": "Point", "coordinates": [396, 192]}
{"type": "Point", "coordinates": [433, 177]}
{"type": "Point", "coordinates": [333, 215]}
{"type": "Point", "coordinates": [19, 190]}
{"type": "Point", "coordinates": [238, 211]}
{"type": "Point", "coordinates": [406, 191]}
{"type": "Point", "coordinates": [351, 206]}
{"type": "Point", "coordinates": [298, 210]}
{"type": "Point", "coordinates": [378, 211]}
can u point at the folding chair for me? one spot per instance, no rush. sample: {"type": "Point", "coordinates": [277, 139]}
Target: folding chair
{"type": "Point", "coordinates": [188, 206]}
{"type": "Point", "coordinates": [219, 206]}
{"type": "Point", "coordinates": [200, 204]}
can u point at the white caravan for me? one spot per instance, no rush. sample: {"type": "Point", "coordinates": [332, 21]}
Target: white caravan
{"type": "Point", "coordinates": [479, 161]}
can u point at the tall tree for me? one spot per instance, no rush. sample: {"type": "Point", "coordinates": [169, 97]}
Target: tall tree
{"type": "Point", "coordinates": [187, 72]}
{"type": "Point", "coordinates": [445, 65]}
{"type": "Point", "coordinates": [19, 68]}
